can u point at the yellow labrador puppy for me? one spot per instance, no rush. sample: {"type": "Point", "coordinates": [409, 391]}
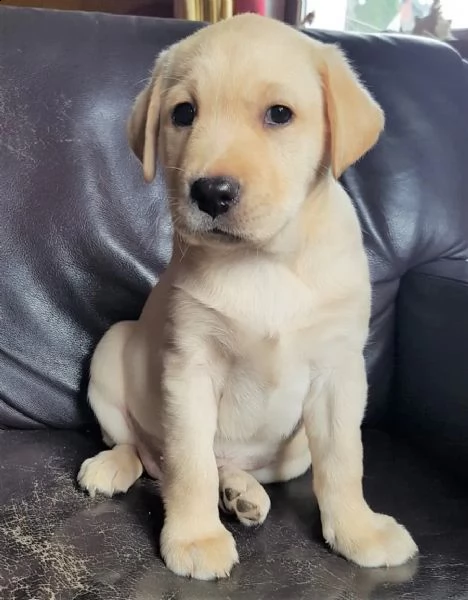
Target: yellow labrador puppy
{"type": "Point", "coordinates": [246, 364]}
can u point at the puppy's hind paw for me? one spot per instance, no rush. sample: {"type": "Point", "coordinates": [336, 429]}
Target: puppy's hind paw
{"type": "Point", "coordinates": [111, 471]}
{"type": "Point", "coordinates": [242, 495]}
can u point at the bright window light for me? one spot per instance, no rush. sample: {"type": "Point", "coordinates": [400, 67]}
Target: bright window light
{"type": "Point", "coordinates": [380, 15]}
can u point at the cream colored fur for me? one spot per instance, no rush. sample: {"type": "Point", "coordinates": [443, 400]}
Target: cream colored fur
{"type": "Point", "coordinates": [246, 363]}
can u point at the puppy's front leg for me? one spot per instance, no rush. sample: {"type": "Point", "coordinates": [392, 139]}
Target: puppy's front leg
{"type": "Point", "coordinates": [193, 540]}
{"type": "Point", "coordinates": [333, 418]}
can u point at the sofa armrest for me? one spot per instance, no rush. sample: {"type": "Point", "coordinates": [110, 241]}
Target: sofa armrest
{"type": "Point", "coordinates": [431, 405]}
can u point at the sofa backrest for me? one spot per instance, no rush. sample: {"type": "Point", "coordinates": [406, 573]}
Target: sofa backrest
{"type": "Point", "coordinates": [83, 239]}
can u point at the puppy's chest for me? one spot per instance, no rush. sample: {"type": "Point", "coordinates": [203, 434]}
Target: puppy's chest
{"type": "Point", "coordinates": [263, 393]}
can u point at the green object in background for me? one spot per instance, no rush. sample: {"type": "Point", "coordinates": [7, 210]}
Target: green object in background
{"type": "Point", "coordinates": [371, 15]}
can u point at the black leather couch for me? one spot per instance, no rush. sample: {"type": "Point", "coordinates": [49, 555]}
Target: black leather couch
{"type": "Point", "coordinates": [82, 240]}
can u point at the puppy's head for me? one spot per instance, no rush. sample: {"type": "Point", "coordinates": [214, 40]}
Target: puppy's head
{"type": "Point", "coordinates": [245, 116]}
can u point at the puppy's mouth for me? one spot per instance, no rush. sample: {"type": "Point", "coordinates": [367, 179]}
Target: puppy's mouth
{"type": "Point", "coordinates": [225, 235]}
{"type": "Point", "coordinates": [215, 234]}
{"type": "Point", "coordinates": [197, 226]}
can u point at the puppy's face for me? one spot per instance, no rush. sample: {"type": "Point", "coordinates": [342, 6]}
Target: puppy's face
{"type": "Point", "coordinates": [246, 115]}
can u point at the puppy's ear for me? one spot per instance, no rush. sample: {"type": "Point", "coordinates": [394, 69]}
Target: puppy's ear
{"type": "Point", "coordinates": [143, 123]}
{"type": "Point", "coordinates": [355, 120]}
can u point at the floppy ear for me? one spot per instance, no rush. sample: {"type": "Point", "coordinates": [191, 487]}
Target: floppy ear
{"type": "Point", "coordinates": [143, 123]}
{"type": "Point", "coordinates": [355, 119]}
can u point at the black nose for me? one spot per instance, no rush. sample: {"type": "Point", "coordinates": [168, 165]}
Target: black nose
{"type": "Point", "coordinates": [215, 195]}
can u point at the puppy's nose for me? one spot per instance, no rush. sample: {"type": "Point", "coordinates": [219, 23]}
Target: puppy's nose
{"type": "Point", "coordinates": [215, 195]}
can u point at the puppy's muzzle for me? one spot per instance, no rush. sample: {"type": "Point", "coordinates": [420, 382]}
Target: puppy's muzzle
{"type": "Point", "coordinates": [215, 195]}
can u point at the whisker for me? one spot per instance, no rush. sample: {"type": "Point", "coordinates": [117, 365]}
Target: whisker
{"type": "Point", "coordinates": [177, 169]}
{"type": "Point", "coordinates": [146, 80]}
{"type": "Point", "coordinates": [174, 78]}
{"type": "Point", "coordinates": [182, 252]}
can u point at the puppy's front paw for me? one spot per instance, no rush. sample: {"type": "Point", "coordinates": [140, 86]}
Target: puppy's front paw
{"type": "Point", "coordinates": [376, 541]}
{"type": "Point", "coordinates": [208, 557]}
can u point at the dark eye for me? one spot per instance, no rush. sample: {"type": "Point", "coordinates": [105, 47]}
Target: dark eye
{"type": "Point", "coordinates": [278, 115]}
{"type": "Point", "coordinates": [183, 114]}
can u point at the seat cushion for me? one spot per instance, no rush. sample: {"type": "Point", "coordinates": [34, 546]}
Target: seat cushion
{"type": "Point", "coordinates": [55, 542]}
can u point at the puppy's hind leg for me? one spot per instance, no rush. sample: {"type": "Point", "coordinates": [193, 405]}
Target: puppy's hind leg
{"type": "Point", "coordinates": [241, 494]}
{"type": "Point", "coordinates": [111, 471]}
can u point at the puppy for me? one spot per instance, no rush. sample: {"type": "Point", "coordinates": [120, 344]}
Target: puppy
{"type": "Point", "coordinates": [246, 364]}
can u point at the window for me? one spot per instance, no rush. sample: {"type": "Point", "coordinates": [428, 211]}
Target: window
{"type": "Point", "coordinates": [380, 15]}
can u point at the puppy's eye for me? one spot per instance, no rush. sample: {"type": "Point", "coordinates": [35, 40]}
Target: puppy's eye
{"type": "Point", "coordinates": [183, 114]}
{"type": "Point", "coordinates": [278, 115]}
